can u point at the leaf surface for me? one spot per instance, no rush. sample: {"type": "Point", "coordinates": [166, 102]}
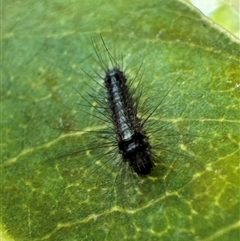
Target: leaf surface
{"type": "Point", "coordinates": [191, 70]}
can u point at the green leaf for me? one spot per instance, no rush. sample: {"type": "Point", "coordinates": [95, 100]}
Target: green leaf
{"type": "Point", "coordinates": [193, 192]}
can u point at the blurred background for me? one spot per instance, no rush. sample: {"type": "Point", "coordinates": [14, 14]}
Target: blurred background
{"type": "Point", "coordinates": [224, 12]}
